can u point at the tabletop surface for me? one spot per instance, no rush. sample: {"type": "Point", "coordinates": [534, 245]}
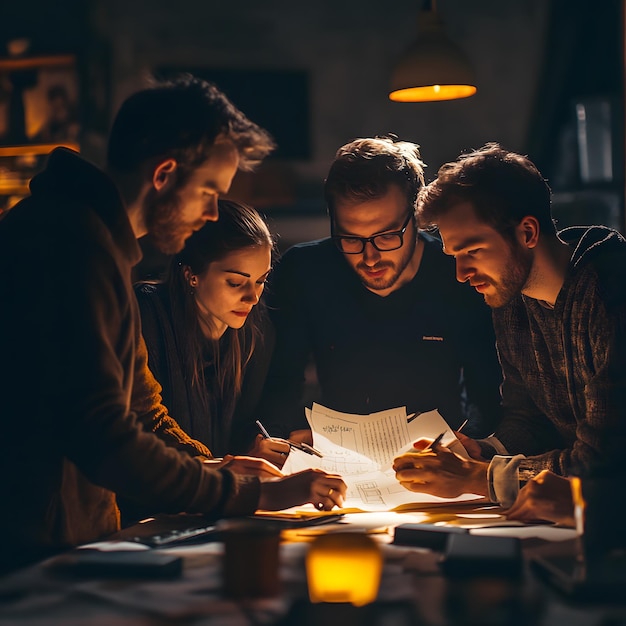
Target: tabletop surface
{"type": "Point", "coordinates": [413, 590]}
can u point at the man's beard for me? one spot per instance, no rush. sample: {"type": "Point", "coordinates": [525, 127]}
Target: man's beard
{"type": "Point", "coordinates": [164, 221]}
{"type": "Point", "coordinates": [386, 281]}
{"type": "Point", "coordinates": [513, 280]}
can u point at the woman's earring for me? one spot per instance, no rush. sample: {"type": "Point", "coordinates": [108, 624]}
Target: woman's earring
{"type": "Point", "coordinates": [193, 282]}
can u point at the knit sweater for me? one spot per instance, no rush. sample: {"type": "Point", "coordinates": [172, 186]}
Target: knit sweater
{"type": "Point", "coordinates": [223, 425]}
{"type": "Point", "coordinates": [76, 396]}
{"type": "Point", "coordinates": [564, 390]}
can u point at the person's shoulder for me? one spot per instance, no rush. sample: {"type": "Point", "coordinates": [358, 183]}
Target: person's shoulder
{"type": "Point", "coordinates": [266, 330]}
{"type": "Point", "coordinates": [431, 238]}
{"type": "Point", "coordinates": [440, 270]}
{"type": "Point", "coordinates": [150, 296]}
{"type": "Point", "coordinates": [317, 248]}
{"type": "Point", "coordinates": [145, 289]}
{"type": "Point", "coordinates": [309, 271]}
{"type": "Point", "coordinates": [307, 255]}
{"type": "Point", "coordinates": [602, 251]}
{"type": "Point", "coordinates": [434, 254]}
{"type": "Point", "coordinates": [600, 246]}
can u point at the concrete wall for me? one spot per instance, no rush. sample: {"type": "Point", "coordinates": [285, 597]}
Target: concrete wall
{"type": "Point", "coordinates": [348, 48]}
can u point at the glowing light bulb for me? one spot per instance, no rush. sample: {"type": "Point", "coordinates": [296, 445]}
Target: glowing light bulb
{"type": "Point", "coordinates": [344, 567]}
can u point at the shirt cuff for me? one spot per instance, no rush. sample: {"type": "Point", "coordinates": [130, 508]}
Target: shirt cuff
{"type": "Point", "coordinates": [503, 479]}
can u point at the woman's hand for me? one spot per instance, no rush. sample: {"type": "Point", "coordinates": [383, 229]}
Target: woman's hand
{"type": "Point", "coordinates": [545, 497]}
{"type": "Point", "coordinates": [247, 465]}
{"type": "Point", "coordinates": [302, 436]}
{"type": "Point", "coordinates": [323, 490]}
{"type": "Point", "coordinates": [272, 449]}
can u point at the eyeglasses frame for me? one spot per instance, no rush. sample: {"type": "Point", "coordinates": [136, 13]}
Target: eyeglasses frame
{"type": "Point", "coordinates": [366, 240]}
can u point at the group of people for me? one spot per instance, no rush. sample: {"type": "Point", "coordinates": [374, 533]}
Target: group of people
{"type": "Point", "coordinates": [143, 398]}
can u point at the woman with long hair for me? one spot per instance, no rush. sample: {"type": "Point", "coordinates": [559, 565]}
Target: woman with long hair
{"type": "Point", "coordinates": [209, 340]}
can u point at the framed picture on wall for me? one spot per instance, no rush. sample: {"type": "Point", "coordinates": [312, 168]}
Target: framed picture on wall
{"type": "Point", "coordinates": [39, 100]}
{"type": "Point", "coordinates": [39, 110]}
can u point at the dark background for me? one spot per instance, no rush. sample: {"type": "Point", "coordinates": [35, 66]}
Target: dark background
{"type": "Point", "coordinates": [316, 75]}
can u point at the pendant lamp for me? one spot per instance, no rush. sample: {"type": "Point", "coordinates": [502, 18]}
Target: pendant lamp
{"type": "Point", "coordinates": [433, 68]}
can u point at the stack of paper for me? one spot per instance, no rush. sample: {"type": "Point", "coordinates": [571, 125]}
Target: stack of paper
{"type": "Point", "coordinates": [361, 448]}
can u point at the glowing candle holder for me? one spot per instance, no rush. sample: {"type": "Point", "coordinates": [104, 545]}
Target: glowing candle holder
{"type": "Point", "coordinates": [344, 567]}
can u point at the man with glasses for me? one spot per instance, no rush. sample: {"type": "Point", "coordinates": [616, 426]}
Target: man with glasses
{"type": "Point", "coordinates": [376, 307]}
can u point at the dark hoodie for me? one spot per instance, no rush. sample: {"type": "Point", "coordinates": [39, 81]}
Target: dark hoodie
{"type": "Point", "coordinates": [75, 387]}
{"type": "Point", "coordinates": [564, 393]}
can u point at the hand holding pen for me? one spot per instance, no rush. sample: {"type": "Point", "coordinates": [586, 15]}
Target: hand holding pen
{"type": "Point", "coordinates": [423, 445]}
{"type": "Point", "coordinates": [293, 445]}
{"type": "Point", "coordinates": [275, 450]}
{"type": "Point", "coordinates": [436, 469]}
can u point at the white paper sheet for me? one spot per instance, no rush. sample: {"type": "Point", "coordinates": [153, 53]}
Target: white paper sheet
{"type": "Point", "coordinates": [361, 448]}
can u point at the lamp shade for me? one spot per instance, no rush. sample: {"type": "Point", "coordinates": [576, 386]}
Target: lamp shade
{"type": "Point", "coordinates": [433, 68]}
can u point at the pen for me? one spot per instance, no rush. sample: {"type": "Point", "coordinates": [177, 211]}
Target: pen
{"type": "Point", "coordinates": [412, 416]}
{"type": "Point", "coordinates": [304, 447]}
{"type": "Point", "coordinates": [462, 426]}
{"type": "Point", "coordinates": [262, 429]}
{"type": "Point", "coordinates": [435, 443]}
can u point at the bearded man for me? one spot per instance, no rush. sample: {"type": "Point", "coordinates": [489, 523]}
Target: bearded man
{"type": "Point", "coordinates": [559, 310]}
{"type": "Point", "coordinates": [79, 407]}
{"type": "Point", "coordinates": [376, 306]}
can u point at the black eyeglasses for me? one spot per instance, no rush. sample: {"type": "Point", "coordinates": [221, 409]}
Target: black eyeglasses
{"type": "Point", "coordinates": [384, 242]}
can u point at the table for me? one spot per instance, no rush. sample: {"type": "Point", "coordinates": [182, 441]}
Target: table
{"type": "Point", "coordinates": [413, 591]}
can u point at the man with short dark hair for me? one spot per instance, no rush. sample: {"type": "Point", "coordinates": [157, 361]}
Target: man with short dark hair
{"type": "Point", "coordinates": [559, 310]}
{"type": "Point", "coordinates": [377, 308]}
{"type": "Point", "coordinates": [77, 400]}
